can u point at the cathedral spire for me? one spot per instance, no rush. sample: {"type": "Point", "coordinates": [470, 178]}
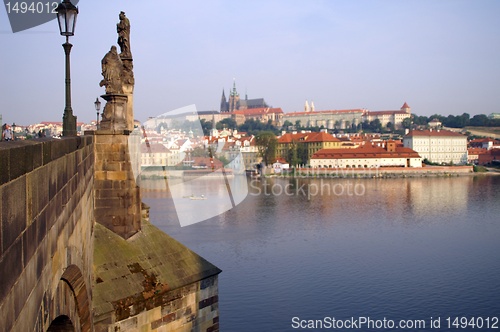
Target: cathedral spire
{"type": "Point", "coordinates": [234, 99]}
{"type": "Point", "coordinates": [234, 92]}
{"type": "Point", "coordinates": [224, 105]}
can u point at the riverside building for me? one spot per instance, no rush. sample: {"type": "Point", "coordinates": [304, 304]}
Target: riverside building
{"type": "Point", "coordinates": [367, 156]}
{"type": "Point", "coordinates": [438, 146]}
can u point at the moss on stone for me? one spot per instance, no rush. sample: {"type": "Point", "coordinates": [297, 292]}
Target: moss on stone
{"type": "Point", "coordinates": [142, 268]}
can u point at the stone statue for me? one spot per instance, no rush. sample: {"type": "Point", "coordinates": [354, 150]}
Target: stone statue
{"type": "Point", "coordinates": [118, 78]}
{"type": "Point", "coordinates": [112, 67]}
{"type": "Point", "coordinates": [123, 29]}
{"type": "Point", "coordinates": [128, 73]}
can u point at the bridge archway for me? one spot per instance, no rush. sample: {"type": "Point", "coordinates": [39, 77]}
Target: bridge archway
{"type": "Point", "coordinates": [61, 324]}
{"type": "Point", "coordinates": [70, 310]}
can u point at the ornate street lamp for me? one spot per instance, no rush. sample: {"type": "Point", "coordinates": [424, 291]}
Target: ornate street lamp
{"type": "Point", "coordinates": [97, 105]}
{"type": "Point", "coordinates": [66, 17]}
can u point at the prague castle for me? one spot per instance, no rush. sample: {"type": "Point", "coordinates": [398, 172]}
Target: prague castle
{"type": "Point", "coordinates": [234, 103]}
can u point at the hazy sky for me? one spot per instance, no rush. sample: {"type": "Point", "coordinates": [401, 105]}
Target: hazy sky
{"type": "Point", "coordinates": [439, 56]}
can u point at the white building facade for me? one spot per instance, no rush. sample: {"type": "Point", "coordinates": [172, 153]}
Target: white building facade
{"type": "Point", "coordinates": [438, 146]}
{"type": "Point", "coordinates": [366, 157]}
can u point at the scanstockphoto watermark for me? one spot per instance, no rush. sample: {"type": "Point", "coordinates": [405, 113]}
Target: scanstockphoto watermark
{"type": "Point", "coordinates": [330, 172]}
{"type": "Point", "coordinates": [322, 187]}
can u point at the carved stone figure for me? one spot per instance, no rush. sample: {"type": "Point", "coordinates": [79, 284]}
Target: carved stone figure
{"type": "Point", "coordinates": [123, 29]}
{"type": "Point", "coordinates": [112, 67]}
{"type": "Point", "coordinates": [128, 73]}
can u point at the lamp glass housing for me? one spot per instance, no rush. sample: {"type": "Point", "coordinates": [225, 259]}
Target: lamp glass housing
{"type": "Point", "coordinates": [66, 17]}
{"type": "Point", "coordinates": [97, 104]}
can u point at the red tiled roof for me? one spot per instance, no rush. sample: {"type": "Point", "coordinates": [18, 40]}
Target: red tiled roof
{"type": "Point", "coordinates": [385, 112]}
{"type": "Point", "coordinates": [307, 137]}
{"type": "Point", "coordinates": [260, 111]}
{"type": "Point", "coordinates": [206, 161]}
{"type": "Point", "coordinates": [180, 142]}
{"type": "Point", "coordinates": [280, 160]}
{"type": "Point", "coordinates": [483, 140]}
{"type": "Point", "coordinates": [405, 105]}
{"type": "Point", "coordinates": [153, 148]}
{"type": "Point", "coordinates": [321, 137]}
{"type": "Point", "coordinates": [288, 137]}
{"type": "Point", "coordinates": [365, 152]}
{"type": "Point", "coordinates": [472, 151]}
{"type": "Point", "coordinates": [325, 112]}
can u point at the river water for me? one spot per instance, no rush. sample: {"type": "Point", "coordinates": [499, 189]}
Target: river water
{"type": "Point", "coordinates": [299, 252]}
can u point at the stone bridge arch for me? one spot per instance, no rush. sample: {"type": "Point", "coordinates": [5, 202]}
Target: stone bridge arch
{"type": "Point", "coordinates": [61, 324]}
{"type": "Point", "coordinates": [71, 303]}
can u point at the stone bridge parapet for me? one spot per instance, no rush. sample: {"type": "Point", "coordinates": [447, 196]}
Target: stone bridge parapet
{"type": "Point", "coordinates": [46, 234]}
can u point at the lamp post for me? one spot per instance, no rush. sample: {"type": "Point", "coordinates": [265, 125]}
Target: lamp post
{"type": "Point", "coordinates": [13, 131]}
{"type": "Point", "coordinates": [97, 105]}
{"type": "Point", "coordinates": [66, 17]}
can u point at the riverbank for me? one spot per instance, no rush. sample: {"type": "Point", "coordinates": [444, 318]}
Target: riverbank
{"type": "Point", "coordinates": [381, 172]}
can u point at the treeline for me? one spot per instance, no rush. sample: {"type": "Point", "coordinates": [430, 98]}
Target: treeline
{"type": "Point", "coordinates": [250, 126]}
{"type": "Point", "coordinates": [458, 121]}
{"type": "Point", "coordinates": [203, 127]}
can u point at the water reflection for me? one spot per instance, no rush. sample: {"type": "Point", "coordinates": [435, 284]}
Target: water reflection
{"type": "Point", "coordinates": [395, 200]}
{"type": "Point", "coordinates": [406, 248]}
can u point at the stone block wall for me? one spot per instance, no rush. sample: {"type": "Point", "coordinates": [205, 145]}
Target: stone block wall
{"type": "Point", "coordinates": [46, 233]}
{"type": "Point", "coordinates": [117, 196]}
{"type": "Point", "coordinates": [190, 308]}
{"type": "Point", "coordinates": [151, 282]}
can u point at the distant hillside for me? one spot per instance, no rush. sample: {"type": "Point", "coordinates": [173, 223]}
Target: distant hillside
{"type": "Point", "coordinates": [493, 132]}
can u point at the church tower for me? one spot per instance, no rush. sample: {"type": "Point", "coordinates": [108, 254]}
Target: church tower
{"type": "Point", "coordinates": [234, 99]}
{"type": "Point", "coordinates": [406, 108]}
{"type": "Point", "coordinates": [224, 105]}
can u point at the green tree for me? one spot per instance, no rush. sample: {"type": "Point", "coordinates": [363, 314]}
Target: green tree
{"type": "Point", "coordinates": [291, 155]}
{"type": "Point", "coordinates": [229, 123]}
{"type": "Point", "coordinates": [199, 152]}
{"type": "Point", "coordinates": [206, 126]}
{"type": "Point", "coordinates": [287, 124]}
{"type": "Point", "coordinates": [267, 143]}
{"type": "Point", "coordinates": [423, 120]}
{"type": "Point", "coordinates": [161, 126]}
{"type": "Point", "coordinates": [302, 154]}
{"type": "Point", "coordinates": [479, 120]}
{"type": "Point", "coordinates": [407, 123]}
{"type": "Point", "coordinates": [298, 126]}
{"type": "Point", "coordinates": [376, 126]}
{"type": "Point", "coordinates": [253, 127]}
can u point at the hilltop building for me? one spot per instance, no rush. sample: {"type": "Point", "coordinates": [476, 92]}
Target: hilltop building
{"type": "Point", "coordinates": [261, 114]}
{"type": "Point", "coordinates": [235, 103]}
{"type": "Point", "coordinates": [435, 124]}
{"type": "Point", "coordinates": [347, 119]}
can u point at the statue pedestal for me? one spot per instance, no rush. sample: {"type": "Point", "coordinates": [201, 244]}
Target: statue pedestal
{"type": "Point", "coordinates": [117, 197]}
{"type": "Point", "coordinates": [129, 91]}
{"type": "Point", "coordinates": [114, 116]}
{"type": "Point", "coordinates": [128, 82]}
